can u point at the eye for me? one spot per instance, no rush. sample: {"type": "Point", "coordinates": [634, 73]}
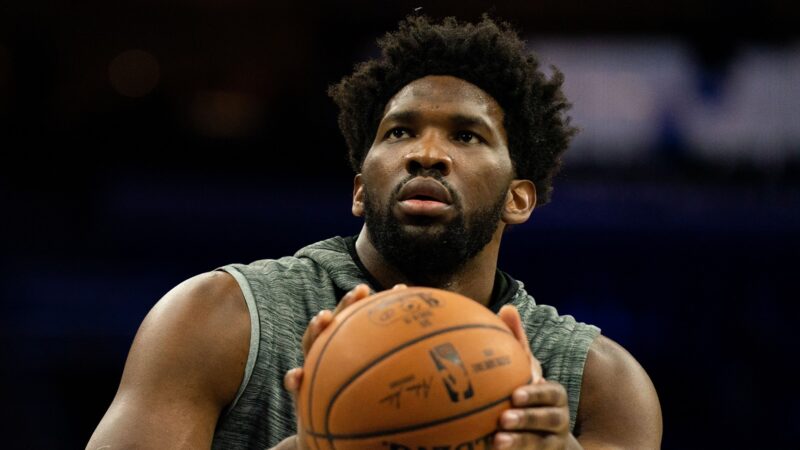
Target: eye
{"type": "Point", "coordinates": [397, 133]}
{"type": "Point", "coordinates": [468, 137]}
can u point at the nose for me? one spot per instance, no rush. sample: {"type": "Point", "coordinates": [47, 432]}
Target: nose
{"type": "Point", "coordinates": [429, 153]}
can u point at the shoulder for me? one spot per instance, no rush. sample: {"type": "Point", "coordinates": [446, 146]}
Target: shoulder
{"type": "Point", "coordinates": [304, 264]}
{"type": "Point", "coordinates": [210, 290]}
{"type": "Point", "coordinates": [185, 365]}
{"type": "Point", "coordinates": [202, 319]}
{"type": "Point", "coordinates": [205, 301]}
{"type": "Point", "coordinates": [320, 268]}
{"type": "Point", "coordinates": [619, 405]}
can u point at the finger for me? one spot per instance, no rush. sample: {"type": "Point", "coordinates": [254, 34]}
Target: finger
{"type": "Point", "coordinates": [293, 379]}
{"type": "Point", "coordinates": [354, 295]}
{"type": "Point", "coordinates": [546, 393]}
{"type": "Point", "coordinates": [546, 419]}
{"type": "Point", "coordinates": [399, 286]}
{"type": "Point", "coordinates": [510, 316]}
{"type": "Point", "coordinates": [509, 441]}
{"type": "Point", "coordinates": [315, 327]}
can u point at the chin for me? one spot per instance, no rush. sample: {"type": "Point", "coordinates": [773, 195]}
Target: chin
{"type": "Point", "coordinates": [423, 228]}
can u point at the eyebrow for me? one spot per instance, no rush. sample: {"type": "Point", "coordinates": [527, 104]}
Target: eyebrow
{"type": "Point", "coordinates": [402, 117]}
{"type": "Point", "coordinates": [464, 121]}
{"type": "Point", "coordinates": [458, 120]}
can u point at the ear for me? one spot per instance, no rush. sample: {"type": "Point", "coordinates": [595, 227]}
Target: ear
{"type": "Point", "coordinates": [358, 196]}
{"type": "Point", "coordinates": [520, 201]}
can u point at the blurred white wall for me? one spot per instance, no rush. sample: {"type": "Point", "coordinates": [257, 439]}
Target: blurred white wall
{"type": "Point", "coordinates": [633, 97]}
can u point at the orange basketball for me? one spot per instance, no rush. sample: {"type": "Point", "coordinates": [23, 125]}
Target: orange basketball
{"type": "Point", "coordinates": [410, 369]}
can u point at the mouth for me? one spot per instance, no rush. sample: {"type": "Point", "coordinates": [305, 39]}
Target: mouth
{"type": "Point", "coordinates": [425, 197]}
{"type": "Point", "coordinates": [425, 189]}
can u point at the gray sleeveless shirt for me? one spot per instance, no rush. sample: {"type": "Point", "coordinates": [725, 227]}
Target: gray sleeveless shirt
{"type": "Point", "coordinates": [284, 294]}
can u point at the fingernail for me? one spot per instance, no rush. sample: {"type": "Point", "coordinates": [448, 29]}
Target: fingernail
{"type": "Point", "coordinates": [510, 419]}
{"type": "Point", "coordinates": [502, 440]}
{"type": "Point", "coordinates": [520, 397]}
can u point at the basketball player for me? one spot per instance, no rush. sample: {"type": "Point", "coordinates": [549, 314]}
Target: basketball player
{"type": "Point", "coordinates": [454, 135]}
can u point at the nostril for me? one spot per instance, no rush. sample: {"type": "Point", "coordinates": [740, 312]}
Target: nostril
{"type": "Point", "coordinates": [413, 166]}
{"type": "Point", "coordinates": [441, 167]}
{"type": "Point", "coordinates": [420, 161]}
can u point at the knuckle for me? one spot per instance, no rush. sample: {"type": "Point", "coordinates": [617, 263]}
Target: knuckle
{"type": "Point", "coordinates": [555, 394]}
{"type": "Point", "coordinates": [538, 420]}
{"type": "Point", "coordinates": [555, 420]}
{"type": "Point", "coordinates": [529, 420]}
{"type": "Point", "coordinates": [553, 397]}
{"type": "Point", "coordinates": [545, 419]}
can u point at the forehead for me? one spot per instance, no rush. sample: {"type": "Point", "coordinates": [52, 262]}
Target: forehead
{"type": "Point", "coordinates": [447, 94]}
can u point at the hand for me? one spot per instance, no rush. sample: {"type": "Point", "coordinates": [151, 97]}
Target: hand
{"type": "Point", "coordinates": [318, 324]}
{"type": "Point", "coordinates": [539, 418]}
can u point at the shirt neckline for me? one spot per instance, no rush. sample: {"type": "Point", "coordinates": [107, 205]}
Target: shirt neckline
{"type": "Point", "coordinates": [503, 290]}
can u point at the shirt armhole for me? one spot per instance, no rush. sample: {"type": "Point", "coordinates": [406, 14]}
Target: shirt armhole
{"type": "Point", "coordinates": [580, 341]}
{"type": "Point", "coordinates": [255, 331]}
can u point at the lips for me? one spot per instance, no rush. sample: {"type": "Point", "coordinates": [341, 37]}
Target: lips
{"type": "Point", "coordinates": [425, 189]}
{"type": "Point", "coordinates": [424, 197]}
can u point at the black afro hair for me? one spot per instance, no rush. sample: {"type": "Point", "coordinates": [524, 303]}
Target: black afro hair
{"type": "Point", "coordinates": [488, 54]}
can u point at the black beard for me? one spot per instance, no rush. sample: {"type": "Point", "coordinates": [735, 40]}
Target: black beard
{"type": "Point", "coordinates": [430, 256]}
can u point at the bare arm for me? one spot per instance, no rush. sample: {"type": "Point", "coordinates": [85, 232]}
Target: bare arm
{"type": "Point", "coordinates": [185, 365]}
{"type": "Point", "coordinates": [619, 407]}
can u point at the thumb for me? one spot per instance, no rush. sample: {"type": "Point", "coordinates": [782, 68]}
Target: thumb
{"type": "Point", "coordinates": [510, 316]}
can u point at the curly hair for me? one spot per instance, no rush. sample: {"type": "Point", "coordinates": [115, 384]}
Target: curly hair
{"type": "Point", "coordinates": [487, 54]}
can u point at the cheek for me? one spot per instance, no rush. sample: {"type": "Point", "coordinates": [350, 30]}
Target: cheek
{"type": "Point", "coordinates": [382, 162]}
{"type": "Point", "coordinates": [376, 171]}
{"type": "Point", "coordinates": [372, 162]}
{"type": "Point", "coordinates": [487, 181]}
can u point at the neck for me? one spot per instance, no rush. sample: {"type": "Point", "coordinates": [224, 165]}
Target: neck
{"type": "Point", "coordinates": [475, 279]}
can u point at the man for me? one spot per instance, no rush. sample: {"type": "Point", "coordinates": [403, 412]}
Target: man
{"type": "Point", "coordinates": [455, 135]}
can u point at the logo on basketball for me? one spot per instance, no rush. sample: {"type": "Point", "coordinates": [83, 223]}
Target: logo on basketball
{"type": "Point", "coordinates": [453, 372]}
{"type": "Point", "coordinates": [415, 307]}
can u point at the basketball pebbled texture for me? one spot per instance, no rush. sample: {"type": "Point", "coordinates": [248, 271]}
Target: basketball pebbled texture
{"type": "Point", "coordinates": [415, 368]}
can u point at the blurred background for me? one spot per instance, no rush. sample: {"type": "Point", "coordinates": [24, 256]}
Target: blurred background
{"type": "Point", "coordinates": [144, 142]}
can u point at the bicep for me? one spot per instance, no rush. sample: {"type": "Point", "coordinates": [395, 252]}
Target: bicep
{"type": "Point", "coordinates": [619, 406]}
{"type": "Point", "coordinates": [184, 367]}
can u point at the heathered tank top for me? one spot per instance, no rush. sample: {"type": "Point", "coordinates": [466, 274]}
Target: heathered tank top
{"type": "Point", "coordinates": [283, 295]}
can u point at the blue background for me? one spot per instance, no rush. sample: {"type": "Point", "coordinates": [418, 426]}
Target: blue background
{"type": "Point", "coordinates": [110, 200]}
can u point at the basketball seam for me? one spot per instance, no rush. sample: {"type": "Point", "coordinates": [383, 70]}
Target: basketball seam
{"type": "Point", "coordinates": [332, 437]}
